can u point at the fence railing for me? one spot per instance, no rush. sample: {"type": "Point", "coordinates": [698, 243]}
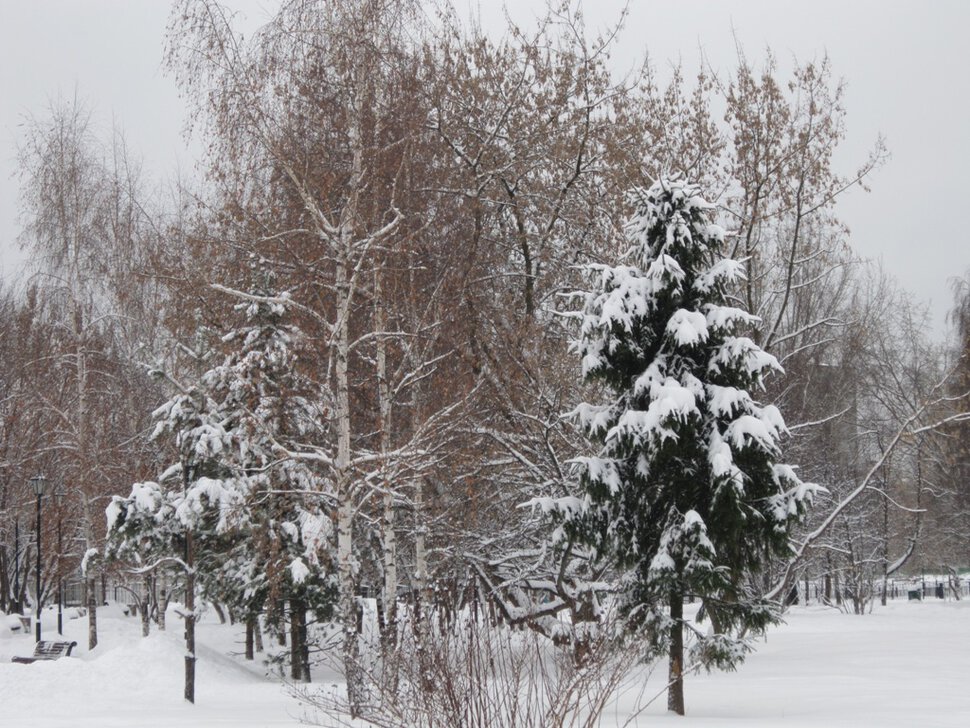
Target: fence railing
{"type": "Point", "coordinates": [74, 591]}
{"type": "Point", "coordinates": [817, 591]}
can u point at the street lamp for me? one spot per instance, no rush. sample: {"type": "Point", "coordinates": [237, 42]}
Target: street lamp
{"type": "Point", "coordinates": [37, 483]}
{"type": "Point", "coordinates": [59, 500]}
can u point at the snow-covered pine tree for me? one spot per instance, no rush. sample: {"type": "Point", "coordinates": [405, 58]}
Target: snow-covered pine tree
{"type": "Point", "coordinates": [685, 495]}
{"type": "Point", "coordinates": [254, 520]}
{"type": "Point", "coordinates": [190, 512]}
{"type": "Point", "coordinates": [272, 409]}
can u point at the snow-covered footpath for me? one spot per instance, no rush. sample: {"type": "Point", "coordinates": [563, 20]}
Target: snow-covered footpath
{"type": "Point", "coordinates": [904, 665]}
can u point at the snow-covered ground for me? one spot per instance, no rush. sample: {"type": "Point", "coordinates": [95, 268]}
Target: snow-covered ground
{"type": "Point", "coordinates": [131, 682]}
{"type": "Point", "coordinates": [904, 665]}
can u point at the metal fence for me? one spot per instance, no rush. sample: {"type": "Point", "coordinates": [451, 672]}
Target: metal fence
{"type": "Point", "coordinates": [926, 589]}
{"type": "Point", "coordinates": [74, 591]}
{"type": "Point", "coordinates": [817, 591]}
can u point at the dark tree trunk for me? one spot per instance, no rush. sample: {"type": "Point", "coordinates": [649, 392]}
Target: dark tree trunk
{"type": "Point", "coordinates": [92, 587]}
{"type": "Point", "coordinates": [675, 689]}
{"type": "Point", "coordinates": [250, 638]}
{"type": "Point", "coordinates": [296, 664]}
{"type": "Point", "coordinates": [257, 634]}
{"type": "Point", "coordinates": [280, 627]}
{"type": "Point", "coordinates": [189, 621]}
{"type": "Point", "coordinates": [4, 582]}
{"type": "Point", "coordinates": [299, 652]}
{"type": "Point", "coordinates": [304, 645]}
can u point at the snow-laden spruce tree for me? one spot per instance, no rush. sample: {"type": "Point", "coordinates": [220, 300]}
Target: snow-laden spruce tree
{"type": "Point", "coordinates": [272, 411]}
{"type": "Point", "coordinates": [191, 510]}
{"type": "Point", "coordinates": [242, 519]}
{"type": "Point", "coordinates": [686, 496]}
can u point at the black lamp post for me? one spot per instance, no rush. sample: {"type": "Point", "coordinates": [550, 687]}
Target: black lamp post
{"type": "Point", "coordinates": [59, 499]}
{"type": "Point", "coordinates": [37, 483]}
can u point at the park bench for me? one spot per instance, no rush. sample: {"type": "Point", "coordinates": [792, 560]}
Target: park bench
{"type": "Point", "coordinates": [48, 650]}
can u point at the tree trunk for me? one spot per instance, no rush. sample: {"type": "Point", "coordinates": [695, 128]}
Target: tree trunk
{"type": "Point", "coordinates": [295, 663]}
{"type": "Point", "coordinates": [24, 579]}
{"type": "Point", "coordinates": [15, 604]}
{"type": "Point", "coordinates": [189, 620]}
{"type": "Point", "coordinates": [257, 634]}
{"type": "Point", "coordinates": [304, 644]}
{"type": "Point", "coordinates": [348, 603]}
{"type": "Point", "coordinates": [420, 551]}
{"type": "Point", "coordinates": [297, 637]}
{"type": "Point", "coordinates": [83, 471]}
{"type": "Point", "coordinates": [389, 595]}
{"type": "Point", "coordinates": [828, 581]}
{"type": "Point", "coordinates": [675, 680]}
{"type": "Point", "coordinates": [92, 589]}
{"type": "Point", "coordinates": [345, 505]}
{"type": "Point", "coordinates": [4, 582]}
{"type": "Point", "coordinates": [162, 608]}
{"type": "Point", "coordinates": [145, 607]}
{"type": "Point", "coordinates": [885, 539]}
{"type": "Point", "coordinates": [250, 637]}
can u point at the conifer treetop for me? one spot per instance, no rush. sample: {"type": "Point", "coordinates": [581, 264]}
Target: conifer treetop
{"type": "Point", "coordinates": [686, 494]}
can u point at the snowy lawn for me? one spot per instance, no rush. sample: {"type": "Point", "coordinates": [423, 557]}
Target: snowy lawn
{"type": "Point", "coordinates": [131, 682]}
{"type": "Point", "coordinates": [905, 665]}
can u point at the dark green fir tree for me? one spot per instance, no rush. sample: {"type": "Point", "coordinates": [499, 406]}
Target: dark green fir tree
{"type": "Point", "coordinates": [685, 497]}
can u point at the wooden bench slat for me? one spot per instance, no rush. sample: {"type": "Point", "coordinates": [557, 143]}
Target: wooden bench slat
{"type": "Point", "coordinates": [47, 650]}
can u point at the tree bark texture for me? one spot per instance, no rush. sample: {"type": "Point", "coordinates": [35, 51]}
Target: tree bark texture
{"type": "Point", "coordinates": [189, 621]}
{"type": "Point", "coordinates": [675, 680]}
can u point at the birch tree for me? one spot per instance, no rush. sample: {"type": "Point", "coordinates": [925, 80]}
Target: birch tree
{"type": "Point", "coordinates": [320, 107]}
{"type": "Point", "coordinates": [82, 215]}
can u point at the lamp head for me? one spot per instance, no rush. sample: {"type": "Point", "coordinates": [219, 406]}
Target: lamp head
{"type": "Point", "coordinates": [38, 483]}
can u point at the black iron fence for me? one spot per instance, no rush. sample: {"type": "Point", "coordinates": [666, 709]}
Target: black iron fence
{"type": "Point", "coordinates": [833, 592]}
{"type": "Point", "coordinates": [108, 589]}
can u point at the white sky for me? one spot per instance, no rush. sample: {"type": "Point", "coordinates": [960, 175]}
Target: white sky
{"type": "Point", "coordinates": [905, 64]}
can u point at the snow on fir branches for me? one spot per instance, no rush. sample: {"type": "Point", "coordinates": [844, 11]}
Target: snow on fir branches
{"type": "Point", "coordinates": [686, 495]}
{"type": "Point", "coordinates": [258, 519]}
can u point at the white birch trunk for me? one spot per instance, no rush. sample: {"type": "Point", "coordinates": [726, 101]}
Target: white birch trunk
{"type": "Point", "coordinates": [82, 474]}
{"type": "Point", "coordinates": [345, 288]}
{"type": "Point", "coordinates": [387, 522]}
{"type": "Point", "coordinates": [420, 550]}
{"type": "Point", "coordinates": [345, 504]}
{"type": "Point", "coordinates": [420, 522]}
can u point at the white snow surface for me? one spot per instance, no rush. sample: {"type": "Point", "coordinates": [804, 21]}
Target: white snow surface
{"type": "Point", "coordinates": [903, 665]}
{"type": "Point", "coordinates": [134, 682]}
{"type": "Point", "coordinates": [687, 327]}
{"type": "Point", "coordinates": [298, 571]}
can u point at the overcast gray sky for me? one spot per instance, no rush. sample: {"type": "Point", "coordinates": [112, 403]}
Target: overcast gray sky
{"type": "Point", "coordinates": [905, 64]}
